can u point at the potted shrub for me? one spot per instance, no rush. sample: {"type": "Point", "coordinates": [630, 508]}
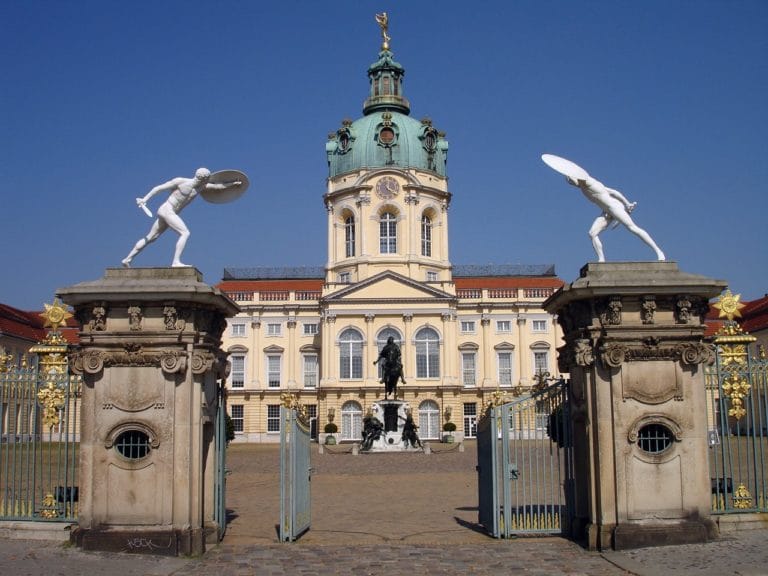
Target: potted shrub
{"type": "Point", "coordinates": [449, 427]}
{"type": "Point", "coordinates": [330, 429]}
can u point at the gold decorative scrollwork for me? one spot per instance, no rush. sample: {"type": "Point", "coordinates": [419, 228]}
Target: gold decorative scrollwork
{"type": "Point", "coordinates": [49, 509]}
{"type": "Point", "coordinates": [291, 401]}
{"type": "Point", "coordinates": [51, 398]}
{"type": "Point", "coordinates": [6, 360]}
{"type": "Point", "coordinates": [736, 388]}
{"type": "Point", "coordinates": [742, 498]}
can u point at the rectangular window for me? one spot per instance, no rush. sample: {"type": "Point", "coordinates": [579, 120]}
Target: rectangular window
{"type": "Point", "coordinates": [345, 278]}
{"type": "Point", "coordinates": [505, 368]}
{"type": "Point", "coordinates": [310, 370]}
{"type": "Point", "coordinates": [237, 413]}
{"type": "Point", "coordinates": [504, 326]}
{"type": "Point", "coordinates": [467, 326]}
{"type": "Point", "coordinates": [273, 417]}
{"type": "Point", "coordinates": [274, 329]}
{"type": "Point", "coordinates": [468, 368]}
{"type": "Point", "coordinates": [237, 374]}
{"type": "Point", "coordinates": [539, 325]}
{"type": "Point", "coordinates": [310, 329]}
{"type": "Point", "coordinates": [470, 420]}
{"type": "Point", "coordinates": [238, 329]}
{"type": "Point", "coordinates": [540, 361]}
{"type": "Point", "coordinates": [273, 370]}
{"type": "Point", "coordinates": [431, 276]}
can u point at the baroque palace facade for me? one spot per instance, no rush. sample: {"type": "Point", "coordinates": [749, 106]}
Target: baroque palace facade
{"type": "Point", "coordinates": [465, 332]}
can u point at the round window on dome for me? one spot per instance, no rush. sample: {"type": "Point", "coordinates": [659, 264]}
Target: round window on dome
{"type": "Point", "coordinates": [343, 141]}
{"type": "Point", "coordinates": [430, 142]}
{"type": "Point", "coordinates": [386, 135]}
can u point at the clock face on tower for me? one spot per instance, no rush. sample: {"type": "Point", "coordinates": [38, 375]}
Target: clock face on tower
{"type": "Point", "coordinates": [387, 187]}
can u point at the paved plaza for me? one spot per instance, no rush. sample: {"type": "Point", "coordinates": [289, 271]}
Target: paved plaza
{"type": "Point", "coordinates": [387, 514]}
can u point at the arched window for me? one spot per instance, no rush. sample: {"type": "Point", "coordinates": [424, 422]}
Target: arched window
{"type": "Point", "coordinates": [429, 420]}
{"type": "Point", "coordinates": [388, 233]}
{"type": "Point", "coordinates": [426, 235]}
{"type": "Point", "coordinates": [350, 355]}
{"type": "Point", "coordinates": [351, 421]}
{"type": "Point", "coordinates": [427, 353]}
{"type": "Point", "coordinates": [349, 236]}
{"type": "Point", "coordinates": [381, 340]}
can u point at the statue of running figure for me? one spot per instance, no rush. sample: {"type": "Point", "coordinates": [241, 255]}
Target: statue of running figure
{"type": "Point", "coordinates": [183, 191]}
{"type": "Point", "coordinates": [616, 208]}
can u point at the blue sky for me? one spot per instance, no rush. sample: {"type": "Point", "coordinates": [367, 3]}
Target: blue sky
{"type": "Point", "coordinates": [665, 100]}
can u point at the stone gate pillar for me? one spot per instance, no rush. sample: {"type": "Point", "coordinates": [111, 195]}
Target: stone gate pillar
{"type": "Point", "coordinates": [633, 345]}
{"type": "Point", "coordinates": [150, 358]}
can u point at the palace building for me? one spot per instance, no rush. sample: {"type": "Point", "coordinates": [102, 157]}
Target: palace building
{"type": "Point", "coordinates": [466, 332]}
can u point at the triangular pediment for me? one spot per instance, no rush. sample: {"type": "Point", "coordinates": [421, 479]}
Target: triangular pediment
{"type": "Point", "coordinates": [388, 286]}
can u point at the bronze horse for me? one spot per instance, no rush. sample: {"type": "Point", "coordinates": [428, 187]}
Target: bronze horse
{"type": "Point", "coordinates": [393, 368]}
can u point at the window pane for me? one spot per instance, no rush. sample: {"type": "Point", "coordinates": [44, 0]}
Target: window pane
{"type": "Point", "coordinates": [236, 412]}
{"type": "Point", "coordinates": [505, 368]}
{"type": "Point", "coordinates": [468, 368]}
{"type": "Point", "coordinates": [427, 354]}
{"type": "Point", "coordinates": [310, 371]}
{"type": "Point", "coordinates": [237, 376]}
{"type": "Point", "coordinates": [273, 418]}
{"type": "Point", "coordinates": [388, 234]}
{"type": "Point", "coordinates": [426, 236]}
{"type": "Point", "coordinates": [350, 355]}
{"type": "Point", "coordinates": [349, 236]}
{"type": "Point", "coordinates": [273, 371]}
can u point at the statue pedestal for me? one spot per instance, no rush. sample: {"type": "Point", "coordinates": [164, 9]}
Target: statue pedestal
{"type": "Point", "coordinates": [392, 414]}
{"type": "Point", "coordinates": [634, 348]}
{"type": "Point", "coordinates": [150, 359]}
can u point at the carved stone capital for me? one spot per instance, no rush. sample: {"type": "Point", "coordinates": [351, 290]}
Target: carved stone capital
{"type": "Point", "coordinates": [583, 353]}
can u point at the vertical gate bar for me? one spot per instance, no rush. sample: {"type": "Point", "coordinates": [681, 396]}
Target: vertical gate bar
{"type": "Point", "coordinates": [505, 459]}
{"type": "Point", "coordinates": [283, 478]}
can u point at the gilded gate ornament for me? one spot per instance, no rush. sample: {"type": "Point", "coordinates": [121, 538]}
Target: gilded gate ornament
{"type": "Point", "coordinates": [733, 343]}
{"type": "Point", "coordinates": [51, 398]}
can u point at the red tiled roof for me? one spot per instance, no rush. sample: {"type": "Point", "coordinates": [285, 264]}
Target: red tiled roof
{"type": "Point", "coordinates": [29, 325]}
{"type": "Point", "coordinates": [21, 324]}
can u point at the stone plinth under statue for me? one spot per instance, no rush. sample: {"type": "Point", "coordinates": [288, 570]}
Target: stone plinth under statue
{"type": "Point", "coordinates": [391, 416]}
{"type": "Point", "coordinates": [634, 348]}
{"type": "Point", "coordinates": [150, 359]}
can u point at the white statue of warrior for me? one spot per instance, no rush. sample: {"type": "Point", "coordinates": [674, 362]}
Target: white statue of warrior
{"type": "Point", "coordinates": [183, 191]}
{"type": "Point", "coordinates": [616, 208]}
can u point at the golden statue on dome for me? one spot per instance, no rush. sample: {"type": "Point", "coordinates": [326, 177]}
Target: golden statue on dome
{"type": "Point", "coordinates": [383, 22]}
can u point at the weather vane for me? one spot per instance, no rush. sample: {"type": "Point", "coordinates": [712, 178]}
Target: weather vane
{"type": "Point", "coordinates": [383, 22]}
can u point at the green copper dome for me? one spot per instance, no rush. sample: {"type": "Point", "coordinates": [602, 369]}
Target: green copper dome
{"type": "Point", "coordinates": [386, 136]}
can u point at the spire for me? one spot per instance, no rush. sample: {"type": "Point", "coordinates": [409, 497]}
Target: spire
{"type": "Point", "coordinates": [386, 77]}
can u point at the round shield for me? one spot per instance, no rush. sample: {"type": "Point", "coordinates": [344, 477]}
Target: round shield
{"type": "Point", "coordinates": [565, 167]}
{"type": "Point", "coordinates": [231, 192]}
